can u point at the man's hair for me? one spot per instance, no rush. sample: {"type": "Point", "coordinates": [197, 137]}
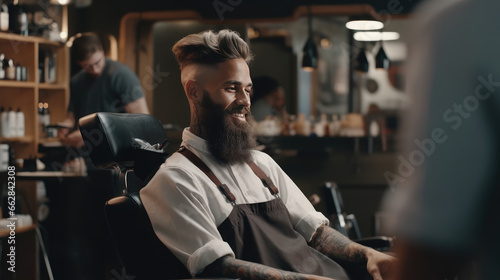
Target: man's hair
{"type": "Point", "coordinates": [85, 45]}
{"type": "Point", "coordinates": [209, 47]}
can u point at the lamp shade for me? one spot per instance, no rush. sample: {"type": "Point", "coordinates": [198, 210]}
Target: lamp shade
{"type": "Point", "coordinates": [310, 55]}
{"type": "Point", "coordinates": [364, 25]}
{"type": "Point", "coordinates": [362, 62]}
{"type": "Point", "coordinates": [381, 59]}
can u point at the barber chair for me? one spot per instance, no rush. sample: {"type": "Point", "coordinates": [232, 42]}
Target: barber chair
{"type": "Point", "coordinates": [347, 223]}
{"type": "Point", "coordinates": [109, 138]}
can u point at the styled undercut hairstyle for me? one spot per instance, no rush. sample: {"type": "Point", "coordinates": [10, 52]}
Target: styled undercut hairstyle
{"type": "Point", "coordinates": [85, 45]}
{"type": "Point", "coordinates": [211, 47]}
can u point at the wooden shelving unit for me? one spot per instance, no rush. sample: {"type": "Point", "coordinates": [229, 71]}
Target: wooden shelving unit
{"type": "Point", "coordinates": [27, 94]}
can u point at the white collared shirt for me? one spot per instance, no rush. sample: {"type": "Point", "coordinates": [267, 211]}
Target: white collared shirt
{"type": "Point", "coordinates": [185, 207]}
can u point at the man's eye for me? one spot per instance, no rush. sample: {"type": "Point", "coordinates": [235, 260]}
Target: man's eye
{"type": "Point", "coordinates": [230, 88]}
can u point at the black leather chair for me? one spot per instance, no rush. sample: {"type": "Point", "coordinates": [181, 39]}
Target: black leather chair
{"type": "Point", "coordinates": [109, 140]}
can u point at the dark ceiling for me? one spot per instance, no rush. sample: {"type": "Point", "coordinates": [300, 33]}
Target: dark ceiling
{"type": "Point", "coordinates": [251, 8]}
{"type": "Point", "coordinates": [105, 15]}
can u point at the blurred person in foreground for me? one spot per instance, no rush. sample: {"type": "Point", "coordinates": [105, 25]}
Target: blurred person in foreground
{"type": "Point", "coordinates": [448, 211]}
{"type": "Point", "coordinates": [103, 85]}
{"type": "Point", "coordinates": [268, 99]}
{"type": "Point", "coordinates": [254, 223]}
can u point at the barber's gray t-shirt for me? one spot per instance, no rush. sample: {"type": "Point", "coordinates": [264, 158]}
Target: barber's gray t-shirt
{"type": "Point", "coordinates": [116, 87]}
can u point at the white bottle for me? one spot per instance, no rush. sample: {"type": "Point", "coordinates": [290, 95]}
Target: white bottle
{"type": "Point", "coordinates": [334, 126]}
{"type": "Point", "coordinates": [319, 127]}
{"type": "Point", "coordinates": [5, 122]}
{"type": "Point", "coordinates": [303, 125]}
{"type": "Point", "coordinates": [20, 123]}
{"type": "Point", "coordinates": [374, 129]}
{"type": "Point", "coordinates": [11, 119]}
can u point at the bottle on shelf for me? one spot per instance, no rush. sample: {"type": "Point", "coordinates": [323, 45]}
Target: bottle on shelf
{"type": "Point", "coordinates": [10, 70]}
{"type": "Point", "coordinates": [18, 72]}
{"type": "Point", "coordinates": [4, 17]}
{"type": "Point", "coordinates": [11, 120]}
{"type": "Point", "coordinates": [20, 125]}
{"type": "Point", "coordinates": [2, 70]}
{"type": "Point", "coordinates": [321, 127]}
{"type": "Point", "coordinates": [4, 122]}
{"type": "Point", "coordinates": [22, 20]}
{"type": "Point", "coordinates": [24, 73]}
{"type": "Point", "coordinates": [44, 119]}
{"type": "Point", "coordinates": [334, 126]}
{"type": "Point", "coordinates": [41, 120]}
{"type": "Point", "coordinates": [303, 125]}
{"type": "Point", "coordinates": [292, 126]}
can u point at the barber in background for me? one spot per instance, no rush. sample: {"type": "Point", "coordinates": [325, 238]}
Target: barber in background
{"type": "Point", "coordinates": [448, 222]}
{"type": "Point", "coordinates": [102, 85]}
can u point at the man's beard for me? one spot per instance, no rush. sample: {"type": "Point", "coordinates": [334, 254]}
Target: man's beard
{"type": "Point", "coordinates": [229, 140]}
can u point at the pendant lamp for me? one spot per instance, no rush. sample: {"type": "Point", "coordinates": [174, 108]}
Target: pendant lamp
{"type": "Point", "coordinates": [381, 59]}
{"type": "Point", "coordinates": [309, 52]}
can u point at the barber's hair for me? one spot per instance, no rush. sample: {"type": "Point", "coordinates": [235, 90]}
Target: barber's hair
{"type": "Point", "coordinates": [85, 45]}
{"type": "Point", "coordinates": [209, 47]}
{"type": "Point", "coordinates": [263, 86]}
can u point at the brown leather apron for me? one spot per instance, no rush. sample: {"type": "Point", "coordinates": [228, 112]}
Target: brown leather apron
{"type": "Point", "coordinates": [263, 232]}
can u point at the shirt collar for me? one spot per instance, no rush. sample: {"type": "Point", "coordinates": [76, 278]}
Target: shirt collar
{"type": "Point", "coordinates": [192, 140]}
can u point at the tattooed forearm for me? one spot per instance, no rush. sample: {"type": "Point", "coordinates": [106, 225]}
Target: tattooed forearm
{"type": "Point", "coordinates": [234, 268]}
{"type": "Point", "coordinates": [338, 247]}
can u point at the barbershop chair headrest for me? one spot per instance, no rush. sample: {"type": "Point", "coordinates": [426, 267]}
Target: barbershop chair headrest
{"type": "Point", "coordinates": [109, 137]}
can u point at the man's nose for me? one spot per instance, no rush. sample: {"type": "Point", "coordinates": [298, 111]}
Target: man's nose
{"type": "Point", "coordinates": [243, 98]}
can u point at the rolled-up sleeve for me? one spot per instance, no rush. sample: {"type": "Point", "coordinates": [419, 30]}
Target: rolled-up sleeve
{"type": "Point", "coordinates": [181, 218]}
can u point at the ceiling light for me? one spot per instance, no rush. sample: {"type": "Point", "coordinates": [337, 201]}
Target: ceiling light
{"type": "Point", "coordinates": [309, 52]}
{"type": "Point", "coordinates": [364, 25]}
{"type": "Point", "coordinates": [376, 36]}
{"type": "Point", "coordinates": [362, 64]}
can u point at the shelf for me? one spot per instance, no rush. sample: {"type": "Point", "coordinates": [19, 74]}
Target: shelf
{"type": "Point", "coordinates": [25, 139]}
{"type": "Point", "coordinates": [31, 39]}
{"type": "Point", "coordinates": [49, 140]}
{"type": "Point", "coordinates": [6, 232]}
{"type": "Point", "coordinates": [48, 174]}
{"type": "Point", "coordinates": [51, 86]}
{"type": "Point", "coordinates": [18, 84]}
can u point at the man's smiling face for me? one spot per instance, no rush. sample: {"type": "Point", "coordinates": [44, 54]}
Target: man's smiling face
{"type": "Point", "coordinates": [225, 111]}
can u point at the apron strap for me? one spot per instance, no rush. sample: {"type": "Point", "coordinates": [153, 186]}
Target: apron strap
{"type": "Point", "coordinates": [203, 167]}
{"type": "Point", "coordinates": [264, 178]}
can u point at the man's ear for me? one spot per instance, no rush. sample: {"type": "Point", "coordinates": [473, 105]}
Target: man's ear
{"type": "Point", "coordinates": [193, 90]}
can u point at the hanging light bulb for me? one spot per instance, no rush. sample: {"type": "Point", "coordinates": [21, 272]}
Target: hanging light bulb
{"type": "Point", "coordinates": [309, 52]}
{"type": "Point", "coordinates": [381, 59]}
{"type": "Point", "coordinates": [362, 61]}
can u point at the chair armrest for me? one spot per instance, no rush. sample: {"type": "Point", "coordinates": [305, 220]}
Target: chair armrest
{"type": "Point", "coordinates": [379, 243]}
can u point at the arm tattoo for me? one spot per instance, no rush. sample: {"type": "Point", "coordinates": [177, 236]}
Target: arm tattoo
{"type": "Point", "coordinates": [234, 268]}
{"type": "Point", "coordinates": [338, 247]}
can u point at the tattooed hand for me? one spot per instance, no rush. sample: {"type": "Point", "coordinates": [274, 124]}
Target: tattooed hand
{"type": "Point", "coordinates": [340, 248]}
{"type": "Point", "coordinates": [381, 266]}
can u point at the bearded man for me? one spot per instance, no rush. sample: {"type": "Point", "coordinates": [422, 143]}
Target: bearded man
{"type": "Point", "coordinates": [226, 210]}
